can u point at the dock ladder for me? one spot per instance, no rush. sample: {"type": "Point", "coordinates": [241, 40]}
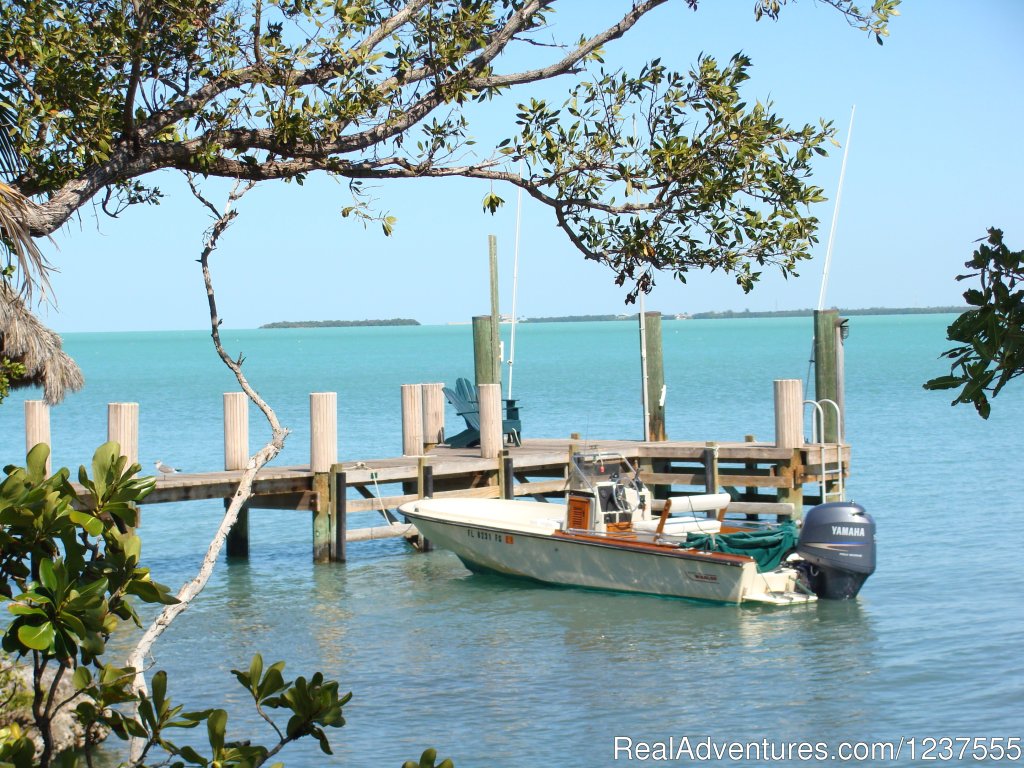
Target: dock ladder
{"type": "Point", "coordinates": [818, 437]}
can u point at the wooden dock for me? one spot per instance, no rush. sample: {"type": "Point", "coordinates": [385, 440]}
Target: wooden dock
{"type": "Point", "coordinates": [777, 478]}
{"type": "Point", "coordinates": [763, 478]}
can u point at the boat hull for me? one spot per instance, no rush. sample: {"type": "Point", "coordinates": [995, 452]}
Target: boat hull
{"type": "Point", "coordinates": [521, 545]}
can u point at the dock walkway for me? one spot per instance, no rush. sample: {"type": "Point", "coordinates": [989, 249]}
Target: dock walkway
{"type": "Point", "coordinates": [763, 479]}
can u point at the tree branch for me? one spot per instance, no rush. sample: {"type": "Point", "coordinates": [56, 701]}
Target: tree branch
{"type": "Point", "coordinates": [191, 590]}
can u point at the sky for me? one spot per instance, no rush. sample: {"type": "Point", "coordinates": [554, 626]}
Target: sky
{"type": "Point", "coordinates": [935, 158]}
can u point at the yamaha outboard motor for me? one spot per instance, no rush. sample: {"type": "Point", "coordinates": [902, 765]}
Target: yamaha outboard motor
{"type": "Point", "coordinates": [837, 543]}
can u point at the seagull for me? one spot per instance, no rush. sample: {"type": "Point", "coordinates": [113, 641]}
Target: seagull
{"type": "Point", "coordinates": [164, 469]}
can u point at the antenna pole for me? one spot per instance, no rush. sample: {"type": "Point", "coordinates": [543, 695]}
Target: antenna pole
{"type": "Point", "coordinates": [835, 214]}
{"type": "Point", "coordinates": [515, 286]}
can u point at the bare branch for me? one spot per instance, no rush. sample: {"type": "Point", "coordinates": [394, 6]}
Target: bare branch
{"type": "Point", "coordinates": [191, 590]}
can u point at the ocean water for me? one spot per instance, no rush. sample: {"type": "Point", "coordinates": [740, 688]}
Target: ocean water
{"type": "Point", "coordinates": [503, 674]}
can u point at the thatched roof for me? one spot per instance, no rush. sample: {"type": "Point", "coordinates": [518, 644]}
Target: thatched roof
{"type": "Point", "coordinates": [25, 340]}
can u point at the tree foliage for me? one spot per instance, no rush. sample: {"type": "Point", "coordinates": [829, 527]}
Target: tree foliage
{"type": "Point", "coordinates": [652, 170]}
{"type": "Point", "coordinates": [991, 334]}
{"type": "Point", "coordinates": [70, 573]}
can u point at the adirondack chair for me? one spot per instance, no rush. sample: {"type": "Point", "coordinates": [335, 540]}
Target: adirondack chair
{"type": "Point", "coordinates": [463, 397]}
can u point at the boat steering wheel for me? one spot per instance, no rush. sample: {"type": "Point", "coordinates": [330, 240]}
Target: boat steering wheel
{"type": "Point", "coordinates": [620, 498]}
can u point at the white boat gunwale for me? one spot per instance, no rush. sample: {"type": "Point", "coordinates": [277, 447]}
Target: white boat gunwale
{"type": "Point", "coordinates": [588, 538]}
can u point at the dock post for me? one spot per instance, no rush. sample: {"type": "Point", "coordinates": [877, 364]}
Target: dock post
{"type": "Point", "coordinates": [323, 454]}
{"type": "Point", "coordinates": [37, 427]}
{"type": "Point", "coordinates": [489, 397]}
{"type": "Point", "coordinates": [412, 420]}
{"type": "Point", "coordinates": [750, 492]}
{"type": "Point", "coordinates": [236, 456]}
{"type": "Point", "coordinates": [427, 492]}
{"type": "Point", "coordinates": [123, 427]}
{"type": "Point", "coordinates": [485, 356]}
{"type": "Point", "coordinates": [711, 467]}
{"type": "Point", "coordinates": [508, 479]}
{"type": "Point", "coordinates": [655, 382]}
{"type": "Point", "coordinates": [433, 415]}
{"type": "Point", "coordinates": [789, 433]}
{"type": "Point", "coordinates": [340, 537]}
{"type": "Point", "coordinates": [828, 363]}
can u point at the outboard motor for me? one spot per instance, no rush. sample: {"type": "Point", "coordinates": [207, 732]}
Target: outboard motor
{"type": "Point", "coordinates": [837, 543]}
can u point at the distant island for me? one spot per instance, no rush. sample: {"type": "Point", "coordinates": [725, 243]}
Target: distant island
{"type": "Point", "coordinates": [729, 314]}
{"type": "Point", "coordinates": [340, 323]}
{"type": "Point", "coordinates": [576, 318]}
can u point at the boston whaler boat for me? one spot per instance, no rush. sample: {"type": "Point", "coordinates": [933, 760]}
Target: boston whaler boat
{"type": "Point", "coordinates": [605, 537]}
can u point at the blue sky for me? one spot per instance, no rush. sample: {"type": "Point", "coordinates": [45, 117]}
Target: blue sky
{"type": "Point", "coordinates": [935, 159]}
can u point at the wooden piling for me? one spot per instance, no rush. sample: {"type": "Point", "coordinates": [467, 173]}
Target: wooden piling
{"type": "Point", "coordinates": [323, 454]}
{"type": "Point", "coordinates": [711, 467]}
{"type": "Point", "coordinates": [433, 415]}
{"type": "Point", "coordinates": [412, 420]}
{"type": "Point", "coordinates": [236, 456]}
{"type": "Point", "coordinates": [826, 368]}
{"type": "Point", "coordinates": [427, 492]}
{"type": "Point", "coordinates": [789, 433]}
{"type": "Point", "coordinates": [508, 478]}
{"type": "Point", "coordinates": [37, 427]}
{"type": "Point", "coordinates": [485, 355]}
{"type": "Point", "coordinates": [655, 377]}
{"type": "Point", "coordinates": [339, 521]}
{"type": "Point", "coordinates": [789, 413]}
{"type": "Point", "coordinates": [489, 397]}
{"type": "Point", "coordinates": [123, 428]}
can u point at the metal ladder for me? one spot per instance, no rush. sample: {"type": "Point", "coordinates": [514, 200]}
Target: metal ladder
{"type": "Point", "coordinates": [818, 430]}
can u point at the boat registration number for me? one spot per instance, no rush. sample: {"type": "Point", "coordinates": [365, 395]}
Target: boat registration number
{"type": "Point", "coordinates": [502, 538]}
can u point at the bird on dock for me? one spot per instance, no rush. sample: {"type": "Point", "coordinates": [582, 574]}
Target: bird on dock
{"type": "Point", "coordinates": [164, 469]}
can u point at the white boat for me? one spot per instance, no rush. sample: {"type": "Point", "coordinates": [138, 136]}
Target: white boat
{"type": "Point", "coordinates": [605, 537]}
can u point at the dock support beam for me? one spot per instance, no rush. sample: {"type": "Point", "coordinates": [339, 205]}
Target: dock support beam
{"type": "Point", "coordinates": [412, 420]}
{"type": "Point", "coordinates": [236, 456]}
{"type": "Point", "coordinates": [828, 346]}
{"type": "Point", "coordinates": [485, 355]}
{"type": "Point", "coordinates": [323, 454]}
{"type": "Point", "coordinates": [433, 415]}
{"type": "Point", "coordinates": [789, 433]}
{"type": "Point", "coordinates": [655, 382]}
{"type": "Point", "coordinates": [489, 397]}
{"type": "Point", "coordinates": [37, 427]}
{"type": "Point", "coordinates": [339, 533]}
{"type": "Point", "coordinates": [123, 428]}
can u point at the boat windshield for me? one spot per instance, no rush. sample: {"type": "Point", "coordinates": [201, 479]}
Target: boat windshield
{"type": "Point", "coordinates": [589, 469]}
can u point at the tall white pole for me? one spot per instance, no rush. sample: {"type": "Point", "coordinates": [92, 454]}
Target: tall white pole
{"type": "Point", "coordinates": [515, 285]}
{"type": "Point", "coordinates": [643, 370]}
{"type": "Point", "coordinates": [835, 214]}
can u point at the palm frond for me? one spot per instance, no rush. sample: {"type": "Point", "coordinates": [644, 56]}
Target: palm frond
{"type": "Point", "coordinates": [21, 249]}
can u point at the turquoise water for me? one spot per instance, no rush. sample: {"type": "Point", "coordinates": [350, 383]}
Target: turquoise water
{"type": "Point", "coordinates": [498, 673]}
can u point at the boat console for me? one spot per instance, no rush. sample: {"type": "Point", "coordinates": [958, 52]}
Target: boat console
{"type": "Point", "coordinates": [605, 494]}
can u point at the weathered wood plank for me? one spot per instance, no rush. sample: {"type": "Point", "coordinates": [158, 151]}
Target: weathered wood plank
{"type": "Point", "coordinates": [381, 532]}
{"type": "Point", "coordinates": [542, 486]}
{"type": "Point", "coordinates": [304, 501]}
{"type": "Point", "coordinates": [376, 504]}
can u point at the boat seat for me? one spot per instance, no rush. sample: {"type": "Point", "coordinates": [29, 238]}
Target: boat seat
{"type": "Point", "coordinates": [548, 522]}
{"type": "Point", "coordinates": [701, 502]}
{"type": "Point", "coordinates": [680, 526]}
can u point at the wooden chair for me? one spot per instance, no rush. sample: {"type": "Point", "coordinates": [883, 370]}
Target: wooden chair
{"type": "Point", "coordinates": [464, 398]}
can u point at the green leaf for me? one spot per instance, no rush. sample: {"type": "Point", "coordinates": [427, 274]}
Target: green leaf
{"type": "Point", "coordinates": [92, 525]}
{"type": "Point", "coordinates": [38, 638]}
{"type": "Point", "coordinates": [82, 678]}
{"type": "Point", "coordinates": [35, 462]}
{"type": "Point", "coordinates": [47, 575]}
{"type": "Point", "coordinates": [216, 726]}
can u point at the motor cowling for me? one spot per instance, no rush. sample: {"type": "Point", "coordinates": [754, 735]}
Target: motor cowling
{"type": "Point", "coordinates": [837, 544]}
